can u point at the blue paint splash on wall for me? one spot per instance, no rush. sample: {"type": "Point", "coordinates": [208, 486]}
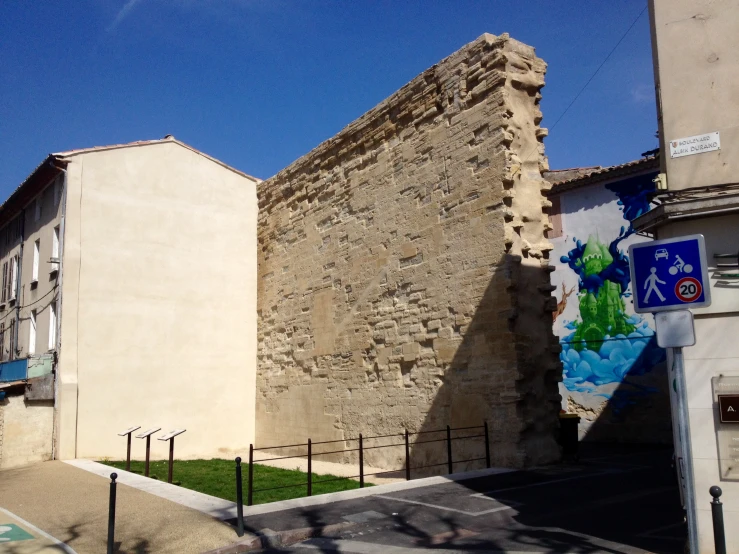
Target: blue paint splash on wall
{"type": "Point", "coordinates": [633, 195]}
{"type": "Point", "coordinates": [617, 271]}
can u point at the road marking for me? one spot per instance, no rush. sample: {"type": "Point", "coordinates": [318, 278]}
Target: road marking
{"type": "Point", "coordinates": [357, 547]}
{"type": "Point", "coordinates": [57, 542]}
{"type": "Point", "coordinates": [473, 514]}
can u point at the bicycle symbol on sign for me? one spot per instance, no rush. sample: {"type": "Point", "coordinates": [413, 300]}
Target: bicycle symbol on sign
{"type": "Point", "coordinates": [680, 266]}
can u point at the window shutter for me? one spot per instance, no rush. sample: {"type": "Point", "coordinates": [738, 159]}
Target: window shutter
{"type": "Point", "coordinates": [13, 277]}
{"type": "Point", "coordinates": [555, 218]}
{"type": "Point", "coordinates": [5, 282]}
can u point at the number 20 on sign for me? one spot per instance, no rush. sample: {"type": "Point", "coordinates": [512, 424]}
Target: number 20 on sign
{"type": "Point", "coordinates": [669, 274]}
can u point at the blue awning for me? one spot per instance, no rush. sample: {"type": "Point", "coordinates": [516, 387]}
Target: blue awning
{"type": "Point", "coordinates": [17, 370]}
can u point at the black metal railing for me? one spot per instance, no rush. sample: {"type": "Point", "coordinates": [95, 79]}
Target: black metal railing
{"type": "Point", "coordinates": [361, 448]}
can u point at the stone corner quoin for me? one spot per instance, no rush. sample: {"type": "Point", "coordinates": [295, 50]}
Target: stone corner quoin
{"type": "Point", "coordinates": [403, 270]}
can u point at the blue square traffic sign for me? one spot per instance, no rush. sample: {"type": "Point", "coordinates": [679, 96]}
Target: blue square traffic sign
{"type": "Point", "coordinates": [669, 274]}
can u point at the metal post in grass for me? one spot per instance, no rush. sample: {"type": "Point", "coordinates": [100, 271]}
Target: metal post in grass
{"type": "Point", "coordinates": [487, 445]}
{"type": "Point", "coordinates": [250, 483]}
{"type": "Point", "coordinates": [147, 435]}
{"type": "Point", "coordinates": [310, 469]}
{"type": "Point", "coordinates": [449, 448]}
{"type": "Point", "coordinates": [169, 437]}
{"type": "Point", "coordinates": [407, 457]}
{"type": "Point", "coordinates": [717, 511]}
{"type": "Point", "coordinates": [361, 463]}
{"type": "Point", "coordinates": [239, 500]}
{"type": "Point", "coordinates": [111, 514]}
{"type": "Point", "coordinates": [127, 433]}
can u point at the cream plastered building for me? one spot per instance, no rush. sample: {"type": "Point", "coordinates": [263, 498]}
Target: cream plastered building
{"type": "Point", "coordinates": [136, 279]}
{"type": "Point", "coordinates": [696, 60]}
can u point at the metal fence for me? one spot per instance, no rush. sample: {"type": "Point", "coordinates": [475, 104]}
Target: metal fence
{"type": "Point", "coordinates": [361, 448]}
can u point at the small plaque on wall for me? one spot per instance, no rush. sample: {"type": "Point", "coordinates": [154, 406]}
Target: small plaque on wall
{"type": "Point", "coordinates": [728, 408]}
{"type": "Point", "coordinates": [726, 398]}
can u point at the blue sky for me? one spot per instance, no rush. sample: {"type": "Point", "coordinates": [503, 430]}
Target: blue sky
{"type": "Point", "coordinates": [258, 83]}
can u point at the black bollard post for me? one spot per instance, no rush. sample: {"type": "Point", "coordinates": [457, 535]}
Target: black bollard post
{"type": "Point", "coordinates": [310, 469]}
{"type": "Point", "coordinates": [111, 514]}
{"type": "Point", "coordinates": [487, 446]}
{"type": "Point", "coordinates": [449, 448]}
{"type": "Point", "coordinates": [407, 457]}
{"type": "Point", "coordinates": [250, 483]}
{"type": "Point", "coordinates": [361, 463]}
{"type": "Point", "coordinates": [239, 501]}
{"type": "Point", "coordinates": [717, 511]}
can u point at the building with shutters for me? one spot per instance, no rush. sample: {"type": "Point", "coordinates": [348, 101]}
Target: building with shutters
{"type": "Point", "coordinates": [128, 298]}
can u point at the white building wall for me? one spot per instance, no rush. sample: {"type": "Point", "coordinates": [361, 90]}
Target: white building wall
{"type": "Point", "coordinates": [158, 318]}
{"type": "Point", "coordinates": [715, 353]}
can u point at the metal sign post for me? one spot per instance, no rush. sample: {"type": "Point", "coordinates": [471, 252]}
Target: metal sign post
{"type": "Point", "coordinates": [667, 277]}
{"type": "Point", "coordinates": [147, 435]}
{"type": "Point", "coordinates": [170, 437]}
{"type": "Point", "coordinates": [685, 460]}
{"type": "Point", "coordinates": [128, 432]}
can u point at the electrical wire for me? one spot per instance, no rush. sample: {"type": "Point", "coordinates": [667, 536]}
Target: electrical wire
{"type": "Point", "coordinates": [12, 310]}
{"type": "Point", "coordinates": [605, 60]}
{"type": "Point", "coordinates": [638, 17]}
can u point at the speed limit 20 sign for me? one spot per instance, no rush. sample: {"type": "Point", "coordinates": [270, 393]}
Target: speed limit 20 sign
{"type": "Point", "coordinates": [688, 289]}
{"type": "Point", "coordinates": [669, 274]}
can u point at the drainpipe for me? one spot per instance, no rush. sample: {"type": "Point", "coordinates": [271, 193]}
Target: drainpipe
{"type": "Point", "coordinates": [60, 275]}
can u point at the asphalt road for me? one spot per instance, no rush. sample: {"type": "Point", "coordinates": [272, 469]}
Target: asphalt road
{"type": "Point", "coordinates": [613, 500]}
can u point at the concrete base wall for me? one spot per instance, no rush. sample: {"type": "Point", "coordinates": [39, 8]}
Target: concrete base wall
{"type": "Point", "coordinates": [26, 430]}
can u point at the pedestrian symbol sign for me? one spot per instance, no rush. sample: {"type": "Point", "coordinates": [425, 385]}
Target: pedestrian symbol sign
{"type": "Point", "coordinates": [669, 274]}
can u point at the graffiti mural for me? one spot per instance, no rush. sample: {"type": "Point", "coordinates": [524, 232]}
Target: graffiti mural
{"type": "Point", "coordinates": [610, 358]}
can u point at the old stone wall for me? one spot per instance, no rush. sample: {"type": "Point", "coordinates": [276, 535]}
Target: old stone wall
{"type": "Point", "coordinates": [403, 274]}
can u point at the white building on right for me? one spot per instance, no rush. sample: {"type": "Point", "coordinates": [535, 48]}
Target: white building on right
{"type": "Point", "coordinates": [696, 59]}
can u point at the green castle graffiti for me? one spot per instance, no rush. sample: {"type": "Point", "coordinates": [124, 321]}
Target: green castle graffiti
{"type": "Point", "coordinates": [602, 312]}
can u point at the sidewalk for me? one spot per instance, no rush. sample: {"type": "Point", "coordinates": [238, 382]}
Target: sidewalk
{"type": "Point", "coordinates": [71, 505]}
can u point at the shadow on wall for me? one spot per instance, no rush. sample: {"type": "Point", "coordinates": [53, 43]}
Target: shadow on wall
{"type": "Point", "coordinates": [637, 408]}
{"type": "Point", "coordinates": [499, 374]}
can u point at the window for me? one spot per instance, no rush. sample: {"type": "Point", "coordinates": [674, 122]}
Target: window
{"type": "Point", "coordinates": [55, 250]}
{"type": "Point", "coordinates": [555, 217]}
{"type": "Point", "coordinates": [13, 285]}
{"type": "Point", "coordinates": [37, 211]}
{"type": "Point", "coordinates": [2, 341]}
{"type": "Point", "coordinates": [52, 326]}
{"type": "Point", "coordinates": [32, 334]}
{"type": "Point", "coordinates": [36, 249]}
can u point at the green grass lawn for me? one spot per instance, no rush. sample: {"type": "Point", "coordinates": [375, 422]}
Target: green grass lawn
{"type": "Point", "coordinates": [218, 478]}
